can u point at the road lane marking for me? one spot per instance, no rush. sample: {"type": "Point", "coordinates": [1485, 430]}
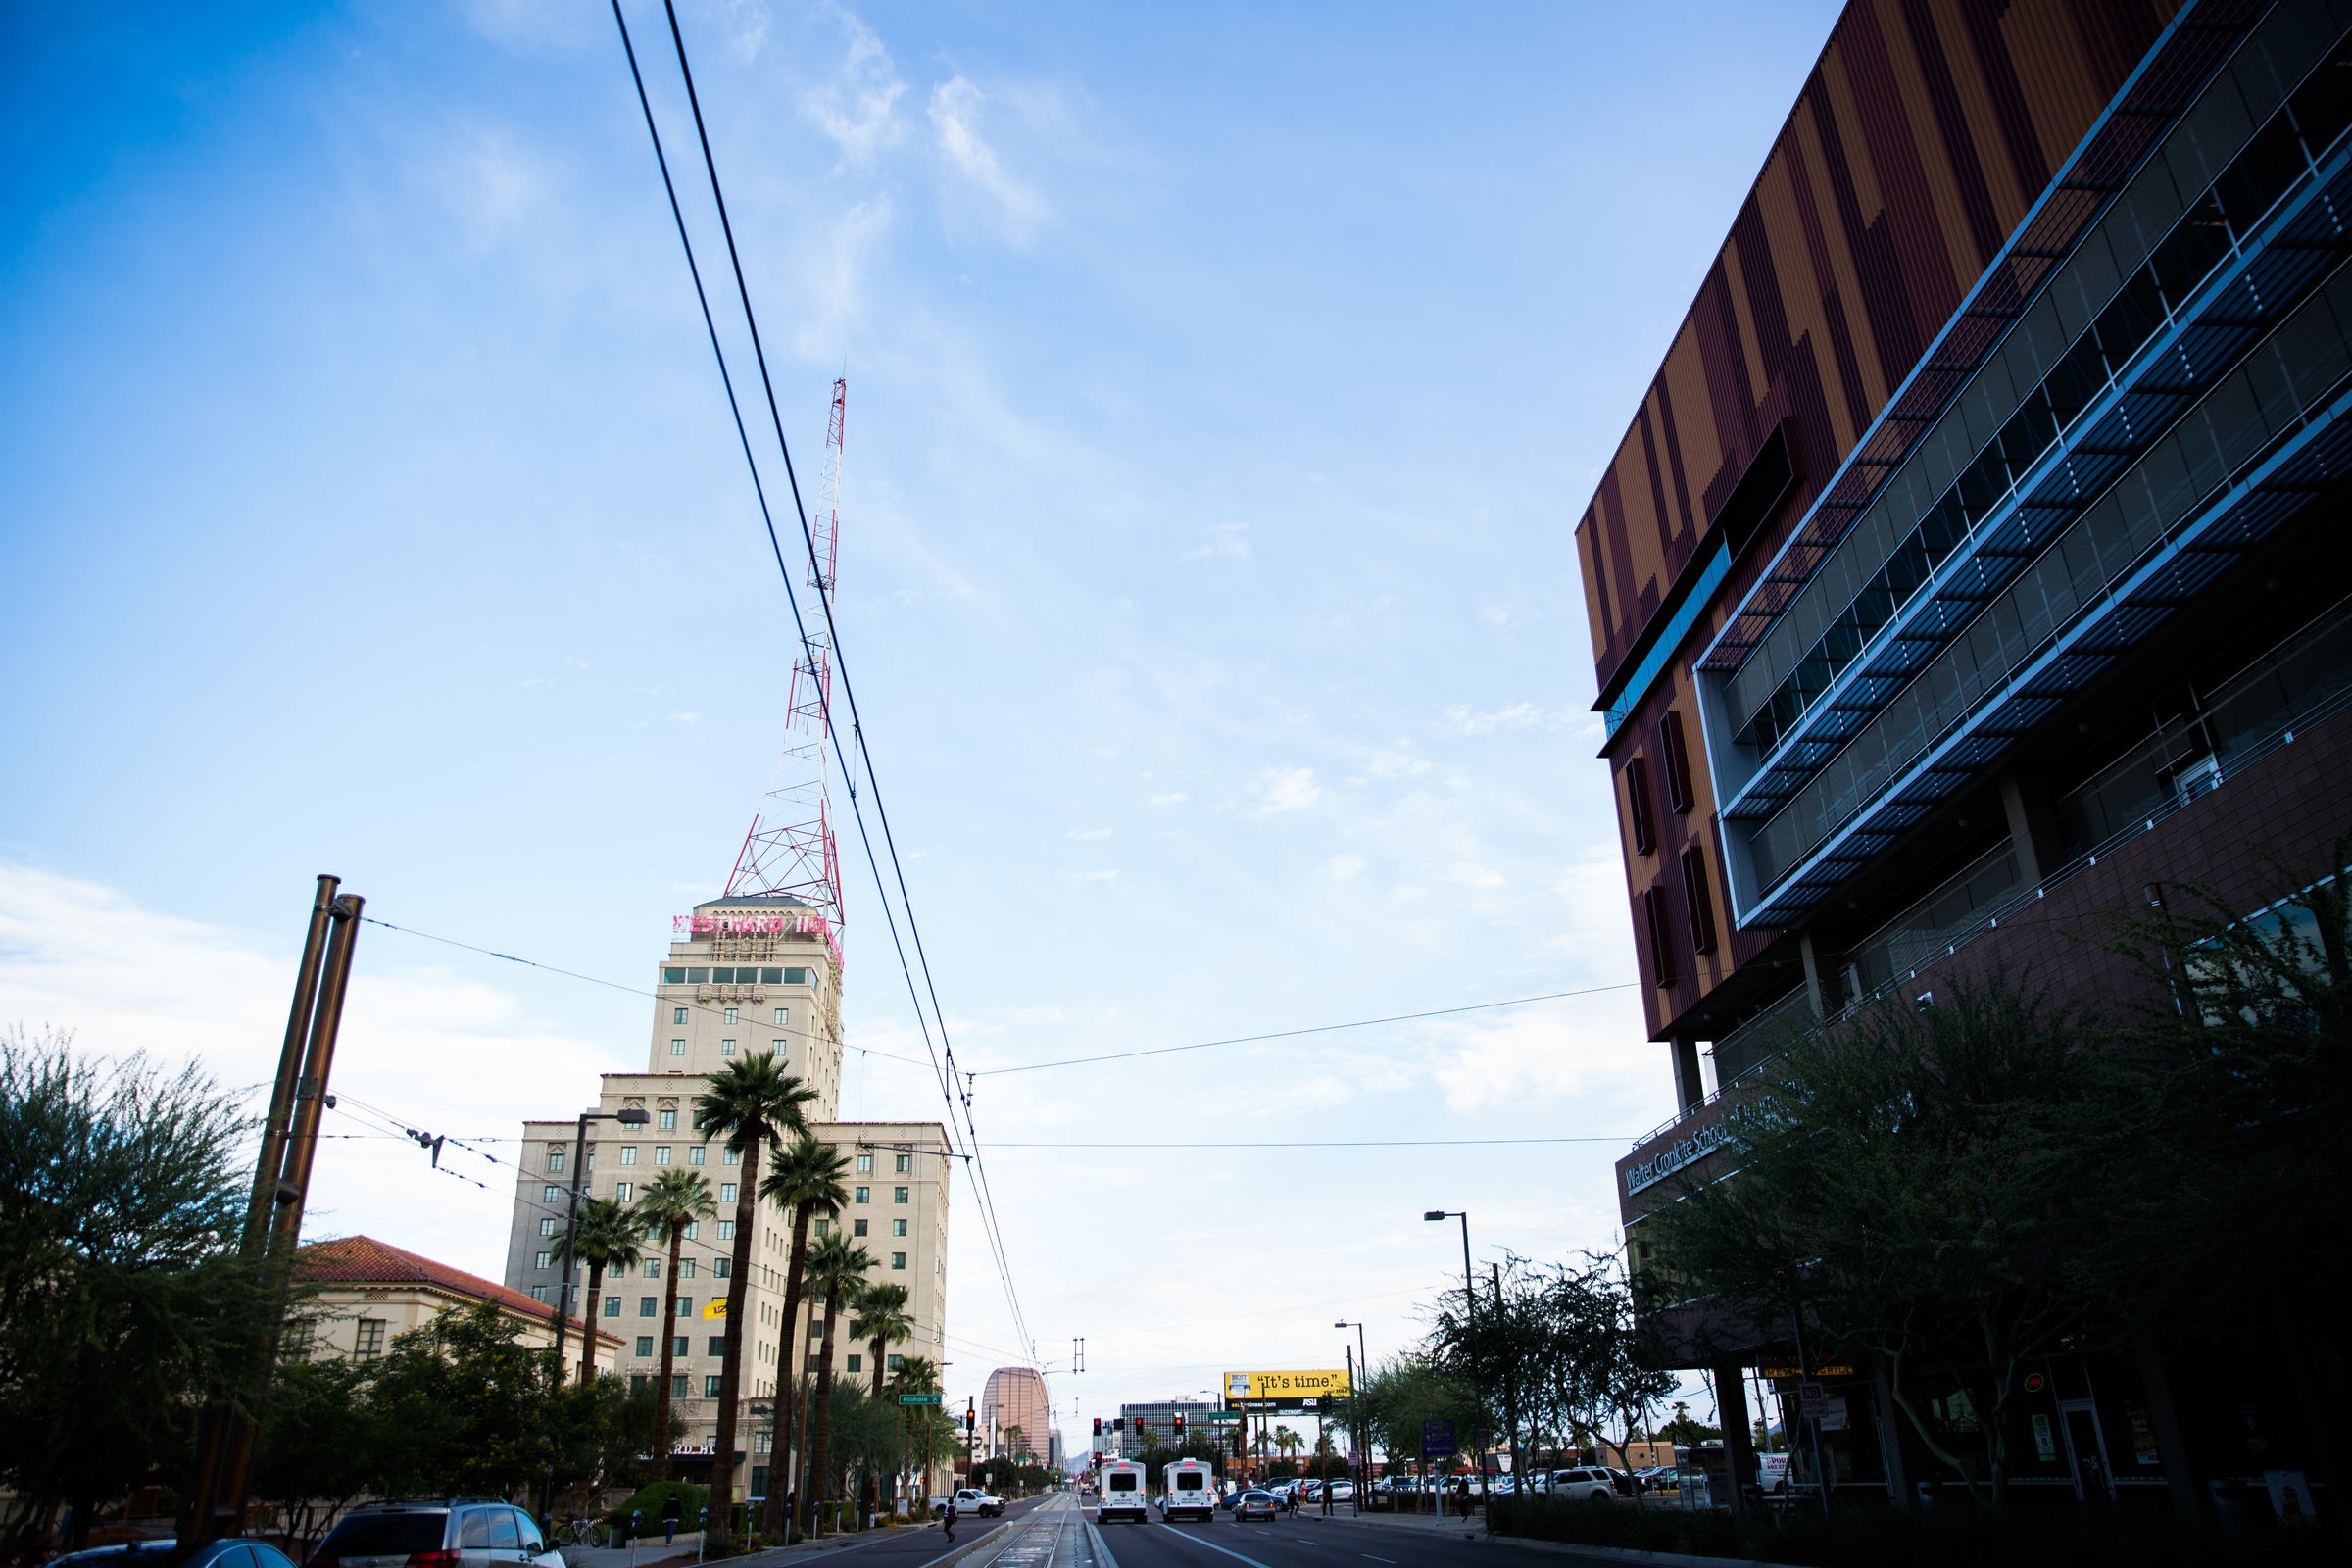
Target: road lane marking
{"type": "Point", "coordinates": [1214, 1547]}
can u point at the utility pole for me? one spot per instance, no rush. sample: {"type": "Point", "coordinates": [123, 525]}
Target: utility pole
{"type": "Point", "coordinates": [214, 1504]}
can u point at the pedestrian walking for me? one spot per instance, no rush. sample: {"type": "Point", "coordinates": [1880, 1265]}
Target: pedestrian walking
{"type": "Point", "coordinates": [671, 1513]}
{"type": "Point", "coordinates": [948, 1519]}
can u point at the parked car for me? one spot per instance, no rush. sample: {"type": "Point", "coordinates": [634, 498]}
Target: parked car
{"type": "Point", "coordinates": [434, 1535]}
{"type": "Point", "coordinates": [1584, 1483]}
{"type": "Point", "coordinates": [969, 1500]}
{"type": "Point", "coordinates": [1254, 1504]}
{"type": "Point", "coordinates": [121, 1554]}
{"type": "Point", "coordinates": [1342, 1491]}
{"type": "Point", "coordinates": [1772, 1473]}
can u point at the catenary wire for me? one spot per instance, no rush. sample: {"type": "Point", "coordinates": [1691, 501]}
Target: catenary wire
{"type": "Point", "coordinates": [946, 1071]}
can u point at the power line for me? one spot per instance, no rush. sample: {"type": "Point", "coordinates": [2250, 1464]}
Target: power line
{"type": "Point", "coordinates": [1339, 1143]}
{"type": "Point", "coordinates": [1292, 1034]}
{"type": "Point", "coordinates": [946, 1070]}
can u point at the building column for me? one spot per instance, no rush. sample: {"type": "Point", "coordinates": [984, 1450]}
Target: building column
{"type": "Point", "coordinates": [1739, 1443]}
{"type": "Point", "coordinates": [2190, 1503]}
{"type": "Point", "coordinates": [1815, 996]}
{"type": "Point", "coordinates": [2033, 827]}
{"type": "Point", "coordinates": [1891, 1441]}
{"type": "Point", "coordinates": [1688, 1087]}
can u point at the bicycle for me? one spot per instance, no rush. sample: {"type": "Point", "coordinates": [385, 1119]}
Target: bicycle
{"type": "Point", "coordinates": [580, 1530]}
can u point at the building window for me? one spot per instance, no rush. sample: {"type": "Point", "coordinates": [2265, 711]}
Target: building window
{"type": "Point", "coordinates": [666, 1120]}
{"type": "Point", "coordinates": [370, 1341]}
{"type": "Point", "coordinates": [694, 1155]}
{"type": "Point", "coordinates": [730, 1019]}
{"type": "Point", "coordinates": [856, 1363]}
{"type": "Point", "coordinates": [677, 1047]}
{"type": "Point", "coordinates": [898, 1227]}
{"type": "Point", "coordinates": [862, 1195]}
{"type": "Point", "coordinates": [902, 1163]}
{"type": "Point", "coordinates": [726, 1048]}
{"type": "Point", "coordinates": [547, 1225]}
{"type": "Point", "coordinates": [611, 1307]}
{"type": "Point", "coordinates": [1661, 952]}
{"type": "Point", "coordinates": [677, 1015]}
{"type": "Point", "coordinates": [1637, 805]}
{"type": "Point", "coordinates": [893, 1363]}
{"type": "Point", "coordinates": [694, 1230]}
{"type": "Point", "coordinates": [858, 1228]}
{"type": "Point", "coordinates": [776, 1045]}
{"type": "Point", "coordinates": [1700, 901]}
{"type": "Point", "coordinates": [551, 1195]}
{"type": "Point", "coordinates": [1677, 762]}
{"type": "Point", "coordinates": [898, 1195]}
{"type": "Point", "coordinates": [678, 1386]}
{"type": "Point", "coordinates": [781, 1020]}
{"type": "Point", "coordinates": [726, 1229]}
{"type": "Point", "coordinates": [726, 1192]}
{"type": "Point", "coordinates": [645, 1344]}
{"type": "Point", "coordinates": [628, 1154]}
{"type": "Point", "coordinates": [555, 1159]}
{"type": "Point", "coordinates": [685, 1307]}
{"type": "Point", "coordinates": [546, 1260]}
{"type": "Point", "coordinates": [538, 1293]}
{"type": "Point", "coordinates": [734, 1155]}
{"type": "Point", "coordinates": [720, 1265]}
{"type": "Point", "coordinates": [623, 1191]}
{"type": "Point", "coordinates": [652, 1268]}
{"type": "Point", "coordinates": [638, 1382]}
{"type": "Point", "coordinates": [710, 1386]}
{"type": "Point", "coordinates": [898, 1260]}
{"type": "Point", "coordinates": [682, 1347]}
{"type": "Point", "coordinates": [823, 1229]}
{"type": "Point", "coordinates": [685, 1268]}
{"type": "Point", "coordinates": [866, 1164]}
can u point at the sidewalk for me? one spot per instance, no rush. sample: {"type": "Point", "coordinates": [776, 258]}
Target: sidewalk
{"type": "Point", "coordinates": [1407, 1523]}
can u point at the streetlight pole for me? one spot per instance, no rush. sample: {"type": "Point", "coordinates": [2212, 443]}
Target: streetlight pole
{"type": "Point", "coordinates": [1469, 1300]}
{"type": "Point", "coordinates": [1359, 1437]}
{"type": "Point", "coordinates": [629, 1117]}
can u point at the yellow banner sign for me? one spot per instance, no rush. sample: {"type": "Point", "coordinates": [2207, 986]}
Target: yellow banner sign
{"type": "Point", "coordinates": [1286, 1385]}
{"type": "Point", "coordinates": [716, 1308]}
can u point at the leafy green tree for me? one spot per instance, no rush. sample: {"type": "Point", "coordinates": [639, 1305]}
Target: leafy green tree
{"type": "Point", "coordinates": [929, 1428]}
{"type": "Point", "coordinates": [671, 1201]}
{"type": "Point", "coordinates": [836, 1268]}
{"type": "Point", "coordinates": [807, 1183]}
{"type": "Point", "coordinates": [751, 1103]}
{"type": "Point", "coordinates": [603, 1236]}
{"type": "Point", "coordinates": [878, 1315]}
{"type": "Point", "coordinates": [1909, 1182]}
{"type": "Point", "coordinates": [461, 1400]}
{"type": "Point", "coordinates": [123, 1300]}
{"type": "Point", "coordinates": [320, 1444]}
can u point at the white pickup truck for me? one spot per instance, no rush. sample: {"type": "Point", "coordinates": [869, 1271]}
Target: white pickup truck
{"type": "Point", "coordinates": [969, 1500]}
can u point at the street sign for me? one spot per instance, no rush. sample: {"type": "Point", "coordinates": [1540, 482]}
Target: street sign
{"type": "Point", "coordinates": [918, 1399]}
{"type": "Point", "coordinates": [1812, 1402]}
{"type": "Point", "coordinates": [1437, 1440]}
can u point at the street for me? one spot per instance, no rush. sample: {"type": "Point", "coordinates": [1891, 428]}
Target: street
{"type": "Point", "coordinates": [1308, 1541]}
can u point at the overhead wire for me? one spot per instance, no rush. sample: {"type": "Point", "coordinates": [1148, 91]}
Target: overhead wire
{"type": "Point", "coordinates": [946, 1070]}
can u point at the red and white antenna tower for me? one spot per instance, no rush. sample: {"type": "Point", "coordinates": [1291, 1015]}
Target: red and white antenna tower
{"type": "Point", "coordinates": [789, 848]}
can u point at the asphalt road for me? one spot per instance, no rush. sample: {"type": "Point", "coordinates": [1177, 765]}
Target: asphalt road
{"type": "Point", "coordinates": [913, 1549]}
{"type": "Point", "coordinates": [1307, 1542]}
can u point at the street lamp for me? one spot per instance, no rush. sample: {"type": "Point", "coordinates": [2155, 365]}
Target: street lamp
{"type": "Point", "coordinates": [632, 1116]}
{"type": "Point", "coordinates": [1358, 1438]}
{"type": "Point", "coordinates": [1469, 1299]}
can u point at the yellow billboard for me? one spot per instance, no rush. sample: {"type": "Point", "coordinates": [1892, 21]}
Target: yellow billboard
{"type": "Point", "coordinates": [1286, 1385]}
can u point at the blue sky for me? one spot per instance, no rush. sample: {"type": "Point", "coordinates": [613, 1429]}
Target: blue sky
{"type": "Point", "coordinates": [1224, 382]}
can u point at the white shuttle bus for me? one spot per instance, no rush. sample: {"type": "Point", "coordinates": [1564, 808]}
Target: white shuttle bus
{"type": "Point", "coordinates": [1122, 1496]}
{"type": "Point", "coordinates": [1190, 1492]}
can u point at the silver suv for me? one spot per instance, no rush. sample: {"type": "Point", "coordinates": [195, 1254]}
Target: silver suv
{"type": "Point", "coordinates": [1583, 1483]}
{"type": "Point", "coordinates": [463, 1532]}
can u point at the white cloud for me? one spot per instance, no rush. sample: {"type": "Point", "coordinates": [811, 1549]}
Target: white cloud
{"type": "Point", "coordinates": [1172, 798]}
{"type": "Point", "coordinates": [1089, 833]}
{"type": "Point", "coordinates": [1288, 789]}
{"type": "Point", "coordinates": [1094, 877]}
{"type": "Point", "coordinates": [203, 993]}
{"type": "Point", "coordinates": [1517, 715]}
{"type": "Point", "coordinates": [857, 110]}
{"type": "Point", "coordinates": [955, 116]}
{"type": "Point", "coordinates": [1222, 541]}
{"type": "Point", "coordinates": [1344, 865]}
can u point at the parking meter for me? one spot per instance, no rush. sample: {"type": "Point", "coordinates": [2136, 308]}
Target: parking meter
{"type": "Point", "coordinates": [636, 1523]}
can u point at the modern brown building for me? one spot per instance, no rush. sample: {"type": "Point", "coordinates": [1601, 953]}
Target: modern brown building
{"type": "Point", "coordinates": [1978, 546]}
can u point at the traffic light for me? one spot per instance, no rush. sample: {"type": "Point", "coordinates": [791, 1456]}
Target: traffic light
{"type": "Point", "coordinates": [1323, 1404]}
{"type": "Point", "coordinates": [1118, 1423]}
{"type": "Point", "coordinates": [970, 1419]}
{"type": "Point", "coordinates": [1098, 1425]}
{"type": "Point", "coordinates": [1180, 1426]}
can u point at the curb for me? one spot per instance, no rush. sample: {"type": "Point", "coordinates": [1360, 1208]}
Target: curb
{"type": "Point", "coordinates": [1663, 1560]}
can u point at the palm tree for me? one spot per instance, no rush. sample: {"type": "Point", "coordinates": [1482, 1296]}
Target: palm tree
{"type": "Point", "coordinates": [835, 1267]}
{"type": "Point", "coordinates": [671, 1201]}
{"type": "Point", "coordinates": [752, 1102]}
{"type": "Point", "coordinates": [1288, 1441]}
{"type": "Point", "coordinates": [808, 1181]}
{"type": "Point", "coordinates": [917, 1375]}
{"type": "Point", "coordinates": [603, 1236]}
{"type": "Point", "coordinates": [878, 1315]}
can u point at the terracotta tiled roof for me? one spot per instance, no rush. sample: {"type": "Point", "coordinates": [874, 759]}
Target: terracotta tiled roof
{"type": "Point", "coordinates": [364, 1260]}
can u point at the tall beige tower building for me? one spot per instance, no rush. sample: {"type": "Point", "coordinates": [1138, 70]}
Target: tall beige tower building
{"type": "Point", "coordinates": [742, 976]}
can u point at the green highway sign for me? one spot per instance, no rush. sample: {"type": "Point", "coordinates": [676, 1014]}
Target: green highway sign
{"type": "Point", "coordinates": [918, 1399]}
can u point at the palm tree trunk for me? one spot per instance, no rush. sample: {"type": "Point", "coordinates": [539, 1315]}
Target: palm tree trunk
{"type": "Point", "coordinates": [821, 1423]}
{"type": "Point", "coordinates": [596, 1293]}
{"type": "Point", "coordinates": [788, 1404]}
{"type": "Point", "coordinates": [881, 1343]}
{"type": "Point", "coordinates": [669, 1350]}
{"type": "Point", "coordinates": [730, 1366]}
